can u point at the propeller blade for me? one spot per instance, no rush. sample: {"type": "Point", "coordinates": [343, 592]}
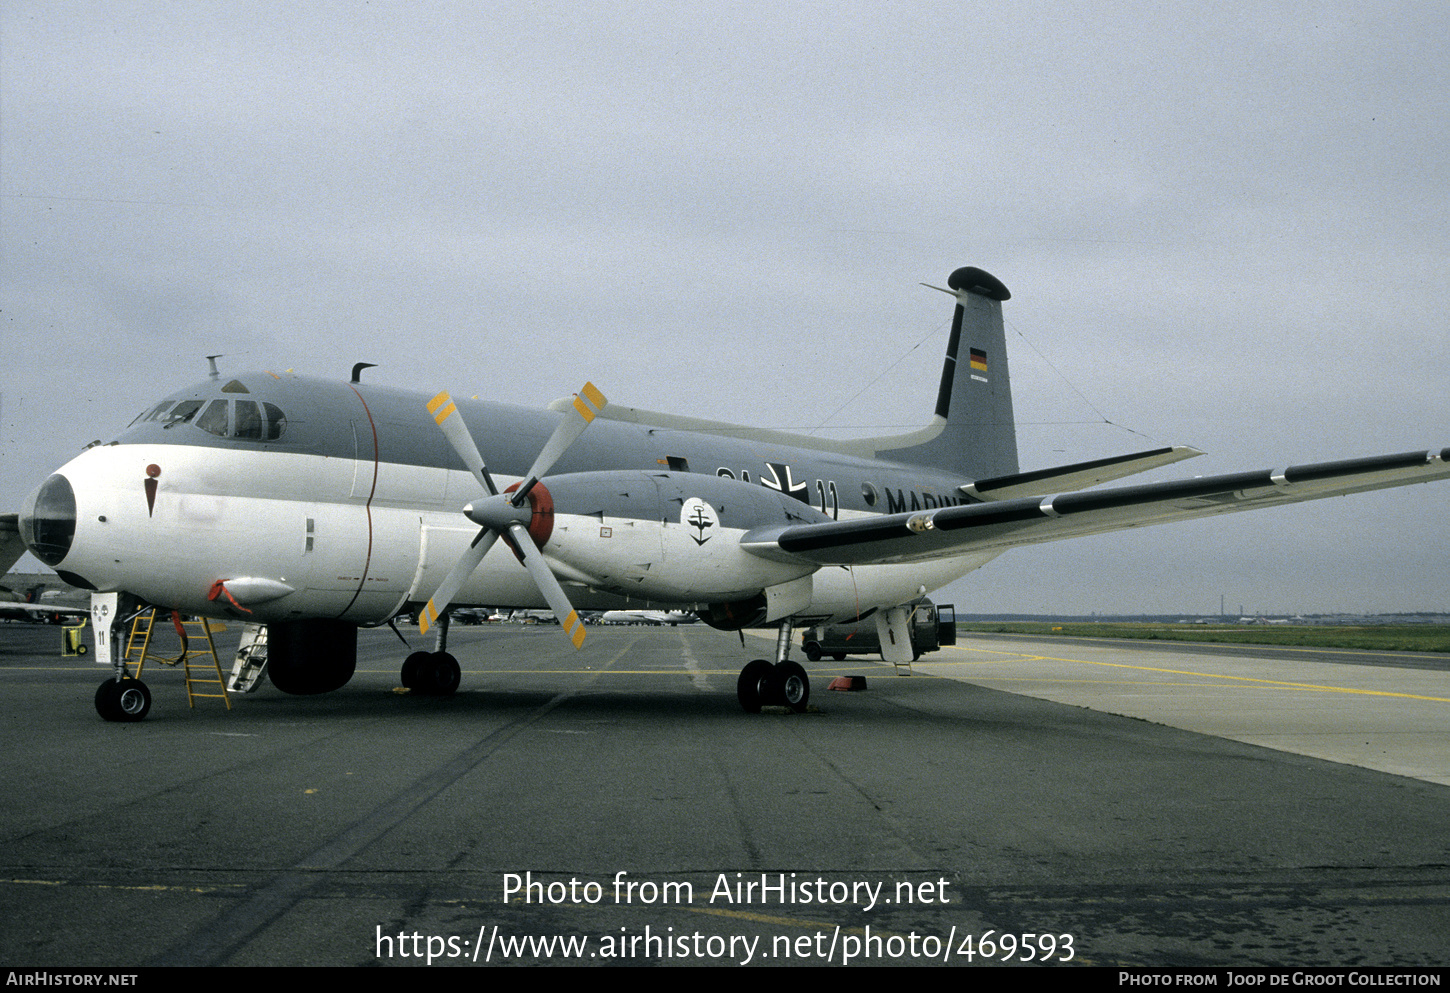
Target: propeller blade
{"type": "Point", "coordinates": [442, 408]}
{"type": "Point", "coordinates": [587, 405]}
{"type": "Point", "coordinates": [554, 594]}
{"type": "Point", "coordinates": [457, 576]}
{"type": "Point", "coordinates": [500, 519]}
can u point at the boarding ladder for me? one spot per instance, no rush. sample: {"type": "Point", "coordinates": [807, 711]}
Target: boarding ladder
{"type": "Point", "coordinates": [139, 646]}
{"type": "Point", "coordinates": [251, 659]}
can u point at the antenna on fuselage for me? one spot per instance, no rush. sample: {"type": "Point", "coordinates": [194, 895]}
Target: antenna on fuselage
{"type": "Point", "coordinates": [215, 372]}
{"type": "Point", "coordinates": [357, 370]}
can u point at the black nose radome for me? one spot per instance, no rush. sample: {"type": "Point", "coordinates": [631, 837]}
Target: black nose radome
{"type": "Point", "coordinates": [48, 522]}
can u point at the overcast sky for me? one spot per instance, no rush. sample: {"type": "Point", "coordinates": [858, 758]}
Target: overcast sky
{"type": "Point", "coordinates": [1222, 225]}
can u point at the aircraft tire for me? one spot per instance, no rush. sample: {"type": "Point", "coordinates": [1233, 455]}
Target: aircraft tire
{"type": "Point", "coordinates": [791, 686]}
{"type": "Point", "coordinates": [446, 674]}
{"type": "Point", "coordinates": [125, 702]}
{"type": "Point", "coordinates": [412, 666]}
{"type": "Point", "coordinates": [753, 685]}
{"type": "Point", "coordinates": [438, 675]}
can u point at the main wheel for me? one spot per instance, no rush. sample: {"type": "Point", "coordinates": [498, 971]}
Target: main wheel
{"type": "Point", "coordinates": [446, 674]}
{"type": "Point", "coordinates": [753, 684]}
{"type": "Point", "coordinates": [412, 666]}
{"type": "Point", "coordinates": [125, 701]}
{"type": "Point", "coordinates": [437, 675]}
{"type": "Point", "coordinates": [790, 685]}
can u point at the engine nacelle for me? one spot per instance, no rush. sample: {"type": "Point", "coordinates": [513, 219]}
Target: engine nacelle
{"type": "Point", "coordinates": [668, 536]}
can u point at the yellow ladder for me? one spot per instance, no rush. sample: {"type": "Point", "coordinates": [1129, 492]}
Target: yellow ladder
{"type": "Point", "coordinates": [139, 645]}
{"type": "Point", "coordinates": [140, 637]}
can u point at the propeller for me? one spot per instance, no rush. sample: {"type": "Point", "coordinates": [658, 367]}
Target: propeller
{"type": "Point", "coordinates": [506, 515]}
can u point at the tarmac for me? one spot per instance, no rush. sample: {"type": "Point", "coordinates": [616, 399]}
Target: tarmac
{"type": "Point", "coordinates": [1011, 802]}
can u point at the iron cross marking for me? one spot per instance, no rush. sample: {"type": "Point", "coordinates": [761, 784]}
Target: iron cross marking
{"type": "Point", "coordinates": [780, 480]}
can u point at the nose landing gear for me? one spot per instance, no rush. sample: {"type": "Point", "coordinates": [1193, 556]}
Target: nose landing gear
{"type": "Point", "coordinates": [126, 699]}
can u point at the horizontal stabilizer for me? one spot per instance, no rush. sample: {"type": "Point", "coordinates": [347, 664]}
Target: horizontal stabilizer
{"type": "Point", "coordinates": [1079, 476]}
{"type": "Point", "coordinates": [1003, 524]}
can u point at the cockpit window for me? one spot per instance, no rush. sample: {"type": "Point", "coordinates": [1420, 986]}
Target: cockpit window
{"type": "Point", "coordinates": [276, 421]}
{"type": "Point", "coordinates": [151, 413]}
{"type": "Point", "coordinates": [244, 419]}
{"type": "Point", "coordinates": [214, 419]}
{"type": "Point", "coordinates": [249, 421]}
{"type": "Point", "coordinates": [183, 412]}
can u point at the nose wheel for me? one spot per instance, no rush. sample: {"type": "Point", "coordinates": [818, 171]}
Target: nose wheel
{"type": "Point", "coordinates": [124, 700]}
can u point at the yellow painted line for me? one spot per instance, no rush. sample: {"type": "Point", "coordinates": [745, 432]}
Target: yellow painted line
{"type": "Point", "coordinates": [746, 915]}
{"type": "Point", "coordinates": [1283, 684]}
{"type": "Point", "coordinates": [1127, 645]}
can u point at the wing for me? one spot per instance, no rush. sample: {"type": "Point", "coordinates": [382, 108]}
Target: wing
{"type": "Point", "coordinates": [41, 611]}
{"type": "Point", "coordinates": [930, 534]}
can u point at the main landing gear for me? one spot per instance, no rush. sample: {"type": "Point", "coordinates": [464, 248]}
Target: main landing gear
{"type": "Point", "coordinates": [433, 673]}
{"type": "Point", "coordinates": [783, 683]}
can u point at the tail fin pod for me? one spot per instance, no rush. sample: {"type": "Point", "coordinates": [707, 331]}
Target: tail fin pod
{"type": "Point", "coordinates": [977, 434]}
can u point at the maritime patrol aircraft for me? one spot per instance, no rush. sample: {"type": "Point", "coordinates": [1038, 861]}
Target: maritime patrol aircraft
{"type": "Point", "coordinates": [316, 507]}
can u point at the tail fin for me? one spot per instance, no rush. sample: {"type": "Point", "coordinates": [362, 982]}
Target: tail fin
{"type": "Point", "coordinates": [975, 432]}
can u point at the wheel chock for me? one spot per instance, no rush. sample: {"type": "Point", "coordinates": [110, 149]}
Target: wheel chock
{"type": "Point", "coordinates": [848, 684]}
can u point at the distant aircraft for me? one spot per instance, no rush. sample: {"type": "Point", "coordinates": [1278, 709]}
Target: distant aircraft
{"type": "Point", "coordinates": [315, 507]}
{"type": "Point", "coordinates": [670, 618]}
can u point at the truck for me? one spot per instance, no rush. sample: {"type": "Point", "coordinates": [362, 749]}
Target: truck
{"type": "Point", "coordinates": [932, 625]}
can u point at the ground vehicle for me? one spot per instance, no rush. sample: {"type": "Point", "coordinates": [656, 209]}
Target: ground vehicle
{"type": "Point", "coordinates": [931, 627]}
